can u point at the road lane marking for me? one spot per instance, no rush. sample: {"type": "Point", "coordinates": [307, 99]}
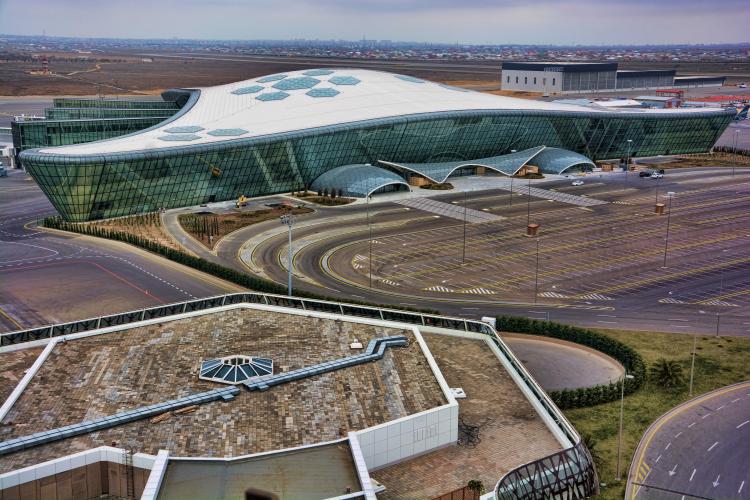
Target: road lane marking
{"type": "Point", "coordinates": [608, 322]}
{"type": "Point", "coordinates": [673, 471]}
{"type": "Point", "coordinates": [689, 426]}
{"type": "Point", "coordinates": [678, 434]}
{"type": "Point", "coordinates": [713, 446]}
{"type": "Point", "coordinates": [720, 407]}
{"type": "Point", "coordinates": [657, 459]}
{"type": "Point", "coordinates": [743, 423]}
{"type": "Point", "coordinates": [668, 445]}
{"type": "Point", "coordinates": [735, 400]}
{"type": "Point", "coordinates": [705, 416]}
{"type": "Point", "coordinates": [716, 483]}
{"type": "Point", "coordinates": [741, 485]}
{"type": "Point", "coordinates": [691, 475]}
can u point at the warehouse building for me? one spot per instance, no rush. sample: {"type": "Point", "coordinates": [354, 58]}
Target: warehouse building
{"type": "Point", "coordinates": [575, 77]}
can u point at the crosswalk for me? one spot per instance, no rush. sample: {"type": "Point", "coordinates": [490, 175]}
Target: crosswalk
{"type": "Point", "coordinates": [588, 296]}
{"type": "Point", "coordinates": [449, 210]}
{"type": "Point", "coordinates": [439, 288]}
{"type": "Point", "coordinates": [547, 194]}
{"type": "Point", "coordinates": [478, 291]}
{"type": "Point", "coordinates": [389, 282]}
{"type": "Point", "coordinates": [722, 303]}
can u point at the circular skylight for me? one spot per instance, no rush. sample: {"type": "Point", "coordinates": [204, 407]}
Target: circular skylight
{"type": "Point", "coordinates": [235, 369]}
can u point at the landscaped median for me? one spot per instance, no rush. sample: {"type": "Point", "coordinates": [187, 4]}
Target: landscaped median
{"type": "Point", "coordinates": [719, 361]}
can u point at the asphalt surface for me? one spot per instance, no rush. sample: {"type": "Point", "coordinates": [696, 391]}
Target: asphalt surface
{"type": "Point", "coordinates": [697, 450]}
{"type": "Point", "coordinates": [669, 303]}
{"type": "Point", "coordinates": [48, 277]}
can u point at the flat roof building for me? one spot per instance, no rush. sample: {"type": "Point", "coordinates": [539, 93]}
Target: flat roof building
{"type": "Point", "coordinates": [585, 77]}
{"type": "Point", "coordinates": [358, 401]}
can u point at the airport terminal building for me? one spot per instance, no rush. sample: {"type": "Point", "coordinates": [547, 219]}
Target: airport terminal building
{"type": "Point", "coordinates": [283, 132]}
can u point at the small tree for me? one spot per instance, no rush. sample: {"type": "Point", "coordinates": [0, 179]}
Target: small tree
{"type": "Point", "coordinates": [476, 486]}
{"type": "Point", "coordinates": [667, 373]}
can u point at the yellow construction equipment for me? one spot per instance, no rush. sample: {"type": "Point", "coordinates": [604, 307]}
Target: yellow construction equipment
{"type": "Point", "coordinates": [242, 201]}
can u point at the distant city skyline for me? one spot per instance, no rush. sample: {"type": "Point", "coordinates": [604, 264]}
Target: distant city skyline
{"type": "Point", "coordinates": [588, 22]}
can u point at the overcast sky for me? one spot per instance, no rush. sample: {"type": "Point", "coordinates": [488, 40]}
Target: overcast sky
{"type": "Point", "coordinates": [464, 21]}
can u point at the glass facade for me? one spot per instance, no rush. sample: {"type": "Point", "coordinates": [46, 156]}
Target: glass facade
{"type": "Point", "coordinates": [92, 113]}
{"type": "Point", "coordinates": [43, 133]}
{"type": "Point", "coordinates": [101, 186]}
{"type": "Point", "coordinates": [73, 102]}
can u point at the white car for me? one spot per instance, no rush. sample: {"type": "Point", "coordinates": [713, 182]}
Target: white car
{"type": "Point", "coordinates": [656, 175]}
{"type": "Point", "coordinates": [577, 182]}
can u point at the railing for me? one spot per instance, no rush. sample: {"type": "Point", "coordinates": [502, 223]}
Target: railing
{"type": "Point", "coordinates": [556, 467]}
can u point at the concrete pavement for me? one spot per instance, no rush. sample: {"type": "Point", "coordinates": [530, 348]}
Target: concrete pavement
{"type": "Point", "coordinates": [700, 449]}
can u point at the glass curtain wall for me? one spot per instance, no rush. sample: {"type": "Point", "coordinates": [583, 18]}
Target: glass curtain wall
{"type": "Point", "coordinates": [102, 186]}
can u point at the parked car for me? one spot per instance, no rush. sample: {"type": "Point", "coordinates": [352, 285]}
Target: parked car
{"type": "Point", "coordinates": [645, 173]}
{"type": "Point", "coordinates": [657, 175]}
{"type": "Point", "coordinates": [577, 182]}
{"type": "Point", "coordinates": [3, 171]}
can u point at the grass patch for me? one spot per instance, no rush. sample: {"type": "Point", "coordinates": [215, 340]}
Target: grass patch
{"type": "Point", "coordinates": [718, 362]}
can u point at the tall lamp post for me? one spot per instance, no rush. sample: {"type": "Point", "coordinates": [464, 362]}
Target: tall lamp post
{"type": "Point", "coordinates": [463, 252]}
{"type": "Point", "coordinates": [369, 241]}
{"type": "Point", "coordinates": [692, 364]}
{"type": "Point", "coordinates": [627, 158]}
{"type": "Point", "coordinates": [536, 274]}
{"type": "Point", "coordinates": [670, 195]}
{"type": "Point", "coordinates": [734, 163]}
{"type": "Point", "coordinates": [510, 197]}
{"type": "Point", "coordinates": [622, 409]}
{"type": "Point", "coordinates": [288, 220]}
{"type": "Point", "coordinates": [528, 200]}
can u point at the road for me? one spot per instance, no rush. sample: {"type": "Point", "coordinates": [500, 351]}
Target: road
{"type": "Point", "coordinates": [704, 284]}
{"type": "Point", "coordinates": [698, 450]}
{"type": "Point", "coordinates": [50, 277]}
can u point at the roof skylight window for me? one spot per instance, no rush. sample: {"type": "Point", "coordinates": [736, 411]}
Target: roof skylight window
{"type": "Point", "coordinates": [271, 78]}
{"type": "Point", "coordinates": [272, 96]}
{"type": "Point", "coordinates": [227, 132]}
{"type": "Point", "coordinates": [300, 82]}
{"type": "Point", "coordinates": [248, 90]}
{"type": "Point", "coordinates": [322, 92]}
{"type": "Point", "coordinates": [183, 130]}
{"type": "Point", "coordinates": [344, 80]}
{"type": "Point", "coordinates": [235, 369]}
{"type": "Point", "coordinates": [318, 72]}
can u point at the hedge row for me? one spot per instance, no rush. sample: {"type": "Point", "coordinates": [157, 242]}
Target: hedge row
{"type": "Point", "coordinates": [585, 396]}
{"type": "Point", "coordinates": [217, 270]}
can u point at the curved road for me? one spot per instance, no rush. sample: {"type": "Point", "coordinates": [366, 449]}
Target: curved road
{"type": "Point", "coordinates": [48, 277]}
{"type": "Point", "coordinates": [700, 449]}
{"type": "Point", "coordinates": [262, 249]}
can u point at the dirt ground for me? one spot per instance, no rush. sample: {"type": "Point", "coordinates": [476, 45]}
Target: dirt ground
{"type": "Point", "coordinates": [228, 223]}
{"type": "Point", "coordinates": [146, 226]}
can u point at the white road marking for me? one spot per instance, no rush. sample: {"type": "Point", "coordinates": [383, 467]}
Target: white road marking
{"type": "Point", "coordinates": [678, 434]}
{"type": "Point", "coordinates": [606, 316]}
{"type": "Point", "coordinates": [657, 459]}
{"type": "Point", "coordinates": [720, 407]}
{"type": "Point", "coordinates": [668, 445]}
{"type": "Point", "coordinates": [608, 322]}
{"type": "Point", "coordinates": [691, 475]}
{"type": "Point", "coordinates": [741, 485]}
{"type": "Point", "coordinates": [734, 400]}
{"type": "Point", "coordinates": [689, 426]}
{"type": "Point", "coordinates": [716, 483]}
{"type": "Point", "coordinates": [743, 423]}
{"type": "Point", "coordinates": [713, 446]}
{"type": "Point", "coordinates": [673, 471]}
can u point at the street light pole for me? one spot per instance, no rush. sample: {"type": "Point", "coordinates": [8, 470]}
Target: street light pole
{"type": "Point", "coordinates": [510, 197]}
{"type": "Point", "coordinates": [369, 241]}
{"type": "Point", "coordinates": [463, 254]}
{"type": "Point", "coordinates": [627, 159]}
{"type": "Point", "coordinates": [622, 409]}
{"type": "Point", "coordinates": [528, 200]}
{"type": "Point", "coordinates": [288, 220]}
{"type": "Point", "coordinates": [692, 364]}
{"type": "Point", "coordinates": [670, 194]}
{"type": "Point", "coordinates": [536, 273]}
{"type": "Point", "coordinates": [734, 163]}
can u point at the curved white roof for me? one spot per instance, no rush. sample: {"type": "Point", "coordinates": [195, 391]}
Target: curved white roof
{"type": "Point", "coordinates": [252, 107]}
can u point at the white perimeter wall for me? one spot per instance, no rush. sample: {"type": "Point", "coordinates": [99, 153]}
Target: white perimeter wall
{"type": "Point", "coordinates": [540, 85]}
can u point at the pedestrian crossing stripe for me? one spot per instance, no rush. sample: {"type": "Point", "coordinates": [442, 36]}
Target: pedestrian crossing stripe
{"type": "Point", "coordinates": [479, 291]}
{"type": "Point", "coordinates": [554, 295]}
{"type": "Point", "coordinates": [359, 257]}
{"type": "Point", "coordinates": [643, 471]}
{"type": "Point", "coordinates": [389, 282]}
{"type": "Point", "coordinates": [594, 296]}
{"type": "Point", "coordinates": [438, 288]}
{"type": "Point", "coordinates": [357, 266]}
{"type": "Point", "coordinates": [717, 303]}
{"type": "Point", "coordinates": [618, 202]}
{"type": "Point", "coordinates": [669, 300]}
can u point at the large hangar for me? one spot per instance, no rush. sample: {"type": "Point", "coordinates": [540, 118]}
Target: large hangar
{"type": "Point", "coordinates": [281, 132]}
